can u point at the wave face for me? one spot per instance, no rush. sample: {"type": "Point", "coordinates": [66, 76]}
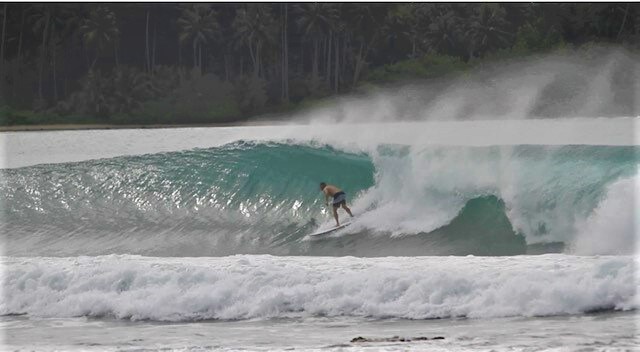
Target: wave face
{"type": "Point", "coordinates": [245, 287]}
{"type": "Point", "coordinates": [263, 198]}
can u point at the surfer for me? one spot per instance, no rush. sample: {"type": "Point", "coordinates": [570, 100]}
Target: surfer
{"type": "Point", "coordinates": [339, 199]}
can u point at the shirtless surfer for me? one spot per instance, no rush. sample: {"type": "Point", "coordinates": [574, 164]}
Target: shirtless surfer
{"type": "Point", "coordinates": [339, 199]}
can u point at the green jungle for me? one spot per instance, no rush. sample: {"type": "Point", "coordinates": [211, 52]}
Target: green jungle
{"type": "Point", "coordinates": [209, 63]}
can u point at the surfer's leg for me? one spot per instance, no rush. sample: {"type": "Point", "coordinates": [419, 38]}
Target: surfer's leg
{"type": "Point", "coordinates": [345, 207]}
{"type": "Point", "coordinates": [335, 215]}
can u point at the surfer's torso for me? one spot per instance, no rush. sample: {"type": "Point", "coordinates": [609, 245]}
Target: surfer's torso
{"type": "Point", "coordinates": [331, 190]}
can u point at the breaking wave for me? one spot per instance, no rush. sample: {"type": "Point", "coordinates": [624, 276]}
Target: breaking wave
{"type": "Point", "coordinates": [263, 198]}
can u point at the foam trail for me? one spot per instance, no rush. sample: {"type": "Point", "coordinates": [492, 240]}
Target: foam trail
{"type": "Point", "coordinates": [245, 287]}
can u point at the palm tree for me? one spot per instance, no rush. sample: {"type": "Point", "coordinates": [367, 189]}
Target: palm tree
{"type": "Point", "coordinates": [255, 27]}
{"type": "Point", "coordinates": [443, 32]}
{"type": "Point", "coordinates": [340, 33]}
{"type": "Point", "coordinates": [284, 14]}
{"type": "Point", "coordinates": [4, 30]}
{"type": "Point", "coordinates": [99, 30]}
{"type": "Point", "coordinates": [198, 24]}
{"type": "Point", "coordinates": [54, 23]}
{"type": "Point", "coordinates": [62, 23]}
{"type": "Point", "coordinates": [317, 21]}
{"type": "Point", "coordinates": [404, 20]}
{"type": "Point", "coordinates": [365, 27]}
{"type": "Point", "coordinates": [487, 29]}
{"type": "Point", "coordinates": [40, 19]}
{"type": "Point", "coordinates": [18, 67]}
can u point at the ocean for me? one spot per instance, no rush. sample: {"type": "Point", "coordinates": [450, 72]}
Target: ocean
{"type": "Point", "coordinates": [491, 235]}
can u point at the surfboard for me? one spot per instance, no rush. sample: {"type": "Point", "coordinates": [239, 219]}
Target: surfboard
{"type": "Point", "coordinates": [330, 230]}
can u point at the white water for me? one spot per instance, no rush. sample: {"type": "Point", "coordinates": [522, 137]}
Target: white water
{"type": "Point", "coordinates": [613, 226]}
{"type": "Point", "coordinates": [244, 287]}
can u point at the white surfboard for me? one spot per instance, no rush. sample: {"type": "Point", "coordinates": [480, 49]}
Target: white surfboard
{"type": "Point", "coordinates": [330, 230]}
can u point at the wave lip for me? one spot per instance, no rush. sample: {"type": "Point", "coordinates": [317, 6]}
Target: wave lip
{"type": "Point", "coordinates": [245, 287]}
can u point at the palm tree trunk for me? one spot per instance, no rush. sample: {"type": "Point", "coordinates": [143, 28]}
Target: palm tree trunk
{"type": "Point", "coordinates": [86, 56]}
{"type": "Point", "coordinates": [146, 43]}
{"type": "Point", "coordinates": [286, 68]}
{"type": "Point", "coordinates": [93, 63]}
{"type": "Point", "coordinates": [302, 59]}
{"type": "Point", "coordinates": [285, 58]}
{"type": "Point", "coordinates": [55, 80]}
{"type": "Point", "coordinates": [53, 57]}
{"type": "Point", "coordinates": [179, 53]}
{"type": "Point", "coordinates": [315, 60]}
{"type": "Point", "coordinates": [43, 54]}
{"type": "Point", "coordinates": [356, 71]}
{"type": "Point", "coordinates": [253, 58]}
{"type": "Point", "coordinates": [257, 67]}
{"type": "Point", "coordinates": [226, 67]}
{"type": "Point", "coordinates": [328, 78]}
{"type": "Point", "coordinates": [344, 57]}
{"type": "Point", "coordinates": [624, 20]}
{"type": "Point", "coordinates": [4, 27]}
{"type": "Point", "coordinates": [115, 53]}
{"type": "Point", "coordinates": [282, 55]}
{"type": "Point", "coordinates": [336, 77]}
{"type": "Point", "coordinates": [24, 11]}
{"type": "Point", "coordinates": [19, 59]}
{"type": "Point", "coordinates": [413, 47]}
{"type": "Point", "coordinates": [323, 55]}
{"type": "Point", "coordinates": [195, 54]}
{"type": "Point", "coordinates": [153, 52]}
{"type": "Point", "coordinates": [362, 58]}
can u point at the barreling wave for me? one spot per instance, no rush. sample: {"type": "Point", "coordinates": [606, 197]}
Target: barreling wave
{"type": "Point", "coordinates": [263, 198]}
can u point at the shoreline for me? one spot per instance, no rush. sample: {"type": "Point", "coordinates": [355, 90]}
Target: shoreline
{"type": "Point", "coordinates": [79, 127]}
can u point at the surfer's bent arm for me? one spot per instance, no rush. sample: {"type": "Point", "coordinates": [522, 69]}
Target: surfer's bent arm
{"type": "Point", "coordinates": [326, 198]}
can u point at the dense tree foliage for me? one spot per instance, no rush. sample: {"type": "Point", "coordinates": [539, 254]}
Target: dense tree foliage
{"type": "Point", "coordinates": [178, 63]}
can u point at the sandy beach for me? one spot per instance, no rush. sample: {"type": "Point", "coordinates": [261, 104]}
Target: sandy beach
{"type": "Point", "coordinates": [64, 127]}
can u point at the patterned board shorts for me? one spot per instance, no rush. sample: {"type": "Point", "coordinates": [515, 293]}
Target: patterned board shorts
{"type": "Point", "coordinates": [339, 198]}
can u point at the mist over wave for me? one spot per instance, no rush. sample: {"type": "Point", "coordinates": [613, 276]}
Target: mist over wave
{"type": "Point", "coordinates": [599, 81]}
{"type": "Point", "coordinates": [252, 197]}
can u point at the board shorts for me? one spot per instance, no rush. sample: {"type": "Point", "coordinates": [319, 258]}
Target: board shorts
{"type": "Point", "coordinates": [339, 199]}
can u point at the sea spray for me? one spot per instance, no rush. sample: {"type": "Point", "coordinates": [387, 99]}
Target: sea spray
{"type": "Point", "coordinates": [592, 82]}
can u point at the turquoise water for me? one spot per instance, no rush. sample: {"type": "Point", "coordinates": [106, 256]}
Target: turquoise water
{"type": "Point", "coordinates": [250, 197]}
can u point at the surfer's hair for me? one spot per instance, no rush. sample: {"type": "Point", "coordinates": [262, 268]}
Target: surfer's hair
{"type": "Point", "coordinates": [323, 185]}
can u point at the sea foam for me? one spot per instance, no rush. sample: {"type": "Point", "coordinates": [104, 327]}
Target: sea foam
{"type": "Point", "coordinates": [245, 287]}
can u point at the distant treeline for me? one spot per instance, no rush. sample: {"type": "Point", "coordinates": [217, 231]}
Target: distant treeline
{"type": "Point", "coordinates": [186, 63]}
